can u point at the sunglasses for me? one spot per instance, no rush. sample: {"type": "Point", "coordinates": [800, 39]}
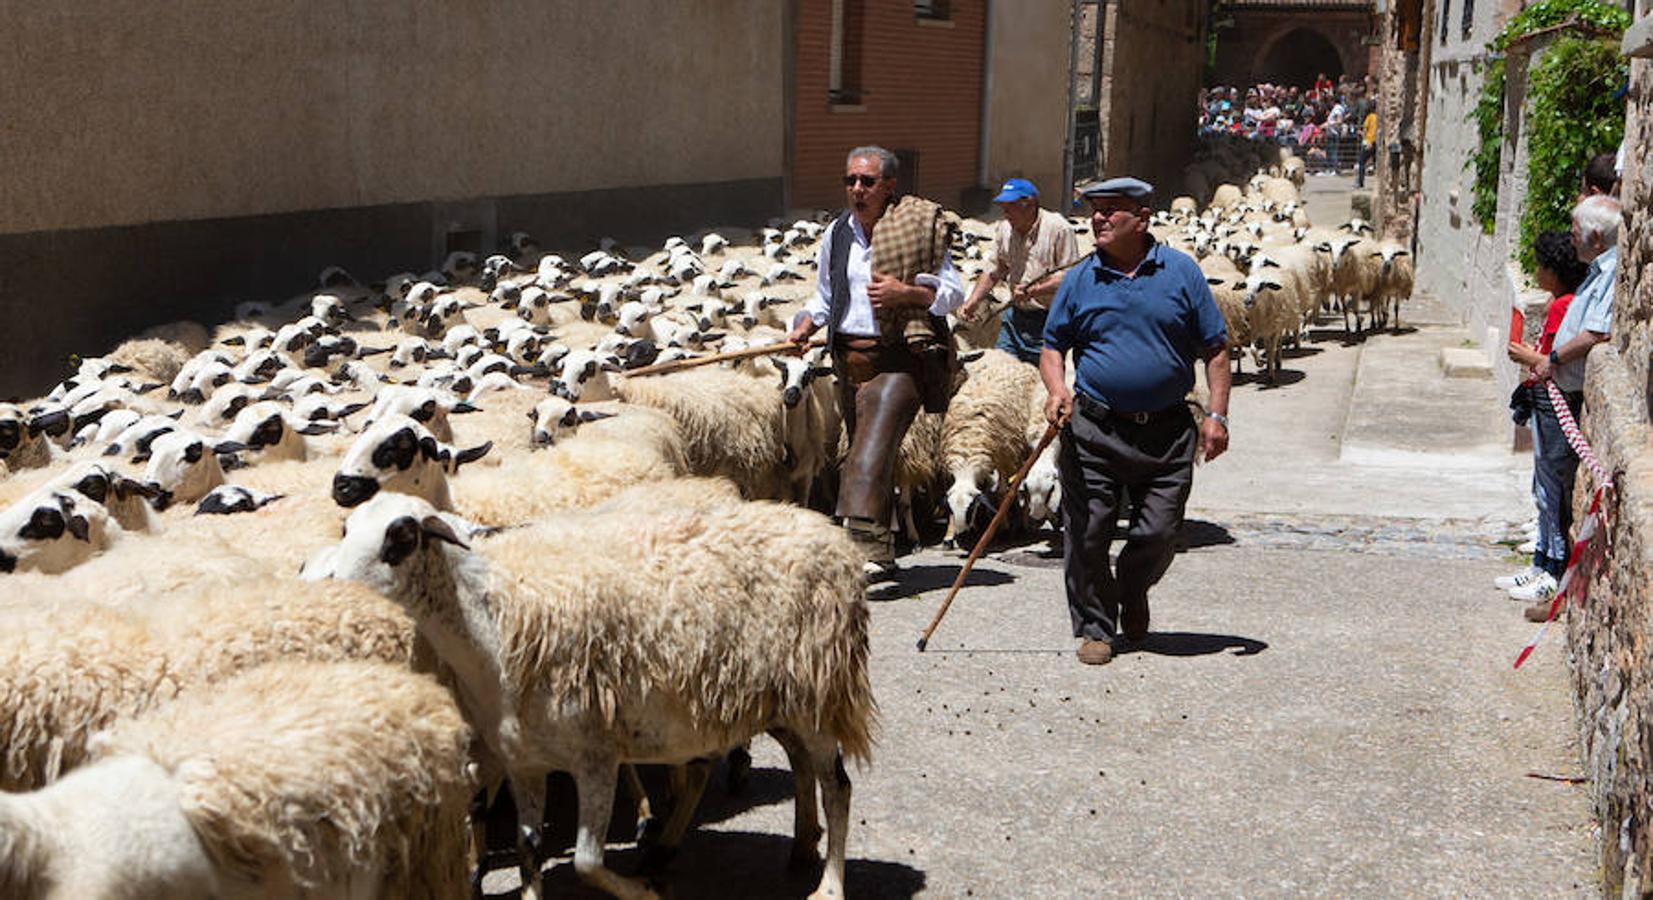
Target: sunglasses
{"type": "Point", "coordinates": [866, 180]}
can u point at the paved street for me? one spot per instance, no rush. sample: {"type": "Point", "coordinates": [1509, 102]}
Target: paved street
{"type": "Point", "coordinates": [1326, 705]}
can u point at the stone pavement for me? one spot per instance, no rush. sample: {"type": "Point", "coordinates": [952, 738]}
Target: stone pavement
{"type": "Point", "coordinates": [1326, 705]}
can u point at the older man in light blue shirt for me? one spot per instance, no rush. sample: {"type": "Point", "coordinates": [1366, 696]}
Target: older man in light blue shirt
{"type": "Point", "coordinates": [1589, 319]}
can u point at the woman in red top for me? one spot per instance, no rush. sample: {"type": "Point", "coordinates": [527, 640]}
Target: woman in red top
{"type": "Point", "coordinates": [1560, 273]}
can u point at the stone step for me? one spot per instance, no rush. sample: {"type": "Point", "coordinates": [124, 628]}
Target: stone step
{"type": "Point", "coordinates": [1464, 362]}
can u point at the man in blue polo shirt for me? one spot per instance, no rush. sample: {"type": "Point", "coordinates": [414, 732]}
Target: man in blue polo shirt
{"type": "Point", "coordinates": [1136, 315]}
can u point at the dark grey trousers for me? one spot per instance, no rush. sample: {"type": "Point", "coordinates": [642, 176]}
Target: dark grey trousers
{"type": "Point", "coordinates": [1102, 459]}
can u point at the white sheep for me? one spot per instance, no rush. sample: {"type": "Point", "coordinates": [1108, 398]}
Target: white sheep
{"type": "Point", "coordinates": [293, 779]}
{"type": "Point", "coordinates": [52, 531]}
{"type": "Point", "coordinates": [984, 433]}
{"type": "Point", "coordinates": [731, 424]}
{"type": "Point", "coordinates": [398, 454]}
{"type": "Point", "coordinates": [1272, 311]}
{"type": "Point", "coordinates": [1394, 282]}
{"type": "Point", "coordinates": [560, 658]}
{"type": "Point", "coordinates": [23, 442]}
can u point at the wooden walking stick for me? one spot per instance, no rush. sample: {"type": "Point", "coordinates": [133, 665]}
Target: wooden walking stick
{"type": "Point", "coordinates": [678, 365]}
{"type": "Point", "coordinates": [1051, 431]}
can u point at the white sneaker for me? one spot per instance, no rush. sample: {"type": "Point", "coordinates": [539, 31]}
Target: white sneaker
{"type": "Point", "coordinates": [1519, 579]}
{"type": "Point", "coordinates": [1542, 587]}
{"type": "Point", "coordinates": [1530, 546]}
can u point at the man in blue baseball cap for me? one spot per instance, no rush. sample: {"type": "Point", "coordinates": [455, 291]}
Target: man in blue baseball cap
{"type": "Point", "coordinates": [1030, 248]}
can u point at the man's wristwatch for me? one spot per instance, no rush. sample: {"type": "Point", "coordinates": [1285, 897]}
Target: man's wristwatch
{"type": "Point", "coordinates": [1555, 357]}
{"type": "Point", "coordinates": [1221, 419]}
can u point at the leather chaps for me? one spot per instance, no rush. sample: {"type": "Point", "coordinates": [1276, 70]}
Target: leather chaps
{"type": "Point", "coordinates": [879, 395]}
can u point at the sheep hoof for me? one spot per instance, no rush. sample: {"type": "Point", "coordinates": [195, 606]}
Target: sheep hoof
{"type": "Point", "coordinates": [656, 857]}
{"type": "Point", "coordinates": [649, 829]}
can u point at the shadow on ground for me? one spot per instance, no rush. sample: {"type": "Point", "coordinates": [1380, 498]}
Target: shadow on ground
{"type": "Point", "coordinates": [910, 581]}
{"type": "Point", "coordinates": [1197, 533]}
{"type": "Point", "coordinates": [1187, 643]}
{"type": "Point", "coordinates": [740, 865]}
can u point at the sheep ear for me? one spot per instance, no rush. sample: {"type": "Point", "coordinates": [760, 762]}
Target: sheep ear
{"type": "Point", "coordinates": [52, 423]}
{"type": "Point", "coordinates": [821, 371]}
{"type": "Point", "coordinates": [571, 417]}
{"type": "Point", "coordinates": [1213, 280]}
{"type": "Point", "coordinates": [431, 449]}
{"type": "Point", "coordinates": [224, 447]}
{"type": "Point", "coordinates": [437, 528]}
{"type": "Point", "coordinates": [472, 454]}
{"type": "Point", "coordinates": [971, 356]}
{"type": "Point", "coordinates": [127, 487]}
{"type": "Point", "coordinates": [463, 407]}
{"type": "Point", "coordinates": [532, 417]}
{"type": "Point", "coordinates": [78, 526]}
{"type": "Point", "coordinates": [592, 415]}
{"type": "Point", "coordinates": [314, 428]}
{"type": "Point", "coordinates": [146, 388]}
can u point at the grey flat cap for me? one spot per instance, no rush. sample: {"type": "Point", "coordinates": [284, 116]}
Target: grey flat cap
{"type": "Point", "coordinates": [1125, 186]}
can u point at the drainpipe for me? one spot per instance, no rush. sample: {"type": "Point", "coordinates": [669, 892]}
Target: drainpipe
{"type": "Point", "coordinates": [1073, 72]}
{"type": "Point", "coordinates": [986, 97]}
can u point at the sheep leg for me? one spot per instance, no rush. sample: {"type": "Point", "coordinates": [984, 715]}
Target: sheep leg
{"type": "Point", "coordinates": [836, 789]}
{"type": "Point", "coordinates": [806, 820]}
{"type": "Point", "coordinates": [688, 783]}
{"type": "Point", "coordinates": [594, 781]}
{"type": "Point", "coordinates": [740, 768]}
{"type": "Point", "coordinates": [528, 790]}
{"type": "Point", "coordinates": [647, 825]}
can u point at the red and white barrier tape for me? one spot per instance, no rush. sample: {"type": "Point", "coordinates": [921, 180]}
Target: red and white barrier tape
{"type": "Point", "coordinates": [1587, 552]}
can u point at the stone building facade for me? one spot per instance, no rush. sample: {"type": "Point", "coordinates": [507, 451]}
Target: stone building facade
{"type": "Point", "coordinates": [1403, 98]}
{"type": "Point", "coordinates": [1152, 57]}
{"type": "Point", "coordinates": [1458, 260]}
{"type": "Point", "coordinates": [1611, 632]}
{"type": "Point", "coordinates": [1292, 41]}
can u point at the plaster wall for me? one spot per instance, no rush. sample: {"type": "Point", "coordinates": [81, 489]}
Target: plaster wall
{"type": "Point", "coordinates": [165, 161]}
{"type": "Point", "coordinates": [1027, 99]}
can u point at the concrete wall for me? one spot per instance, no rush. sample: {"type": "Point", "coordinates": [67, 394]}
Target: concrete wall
{"type": "Point", "coordinates": [921, 84]}
{"type": "Point", "coordinates": [1027, 100]}
{"type": "Point", "coordinates": [1610, 632]}
{"type": "Point", "coordinates": [1153, 58]}
{"type": "Point", "coordinates": [165, 160]}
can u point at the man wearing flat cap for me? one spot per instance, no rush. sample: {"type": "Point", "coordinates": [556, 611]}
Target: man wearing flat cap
{"type": "Point", "coordinates": [1135, 315]}
{"type": "Point", "coordinates": [1030, 245]}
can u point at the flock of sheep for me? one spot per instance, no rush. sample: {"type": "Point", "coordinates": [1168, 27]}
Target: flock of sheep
{"type": "Point", "coordinates": [1272, 272]}
{"type": "Point", "coordinates": [286, 594]}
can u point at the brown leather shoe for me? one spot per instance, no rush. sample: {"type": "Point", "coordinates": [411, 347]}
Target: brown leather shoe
{"type": "Point", "coordinates": [1134, 621]}
{"type": "Point", "coordinates": [1095, 653]}
{"type": "Point", "coordinates": [1538, 611]}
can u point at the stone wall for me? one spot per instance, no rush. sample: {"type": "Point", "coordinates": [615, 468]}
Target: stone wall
{"type": "Point", "coordinates": [1611, 633]}
{"type": "Point", "coordinates": [1403, 98]}
{"type": "Point", "coordinates": [1152, 58]}
{"type": "Point", "coordinates": [1291, 47]}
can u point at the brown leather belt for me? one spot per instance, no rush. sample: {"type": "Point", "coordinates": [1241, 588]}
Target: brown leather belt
{"type": "Point", "coordinates": [864, 358]}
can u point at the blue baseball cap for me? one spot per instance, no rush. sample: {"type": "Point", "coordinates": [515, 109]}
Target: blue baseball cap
{"type": "Point", "coordinates": [1016, 189]}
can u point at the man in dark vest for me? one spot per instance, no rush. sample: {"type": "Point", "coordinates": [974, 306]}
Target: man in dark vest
{"type": "Point", "coordinates": [885, 286]}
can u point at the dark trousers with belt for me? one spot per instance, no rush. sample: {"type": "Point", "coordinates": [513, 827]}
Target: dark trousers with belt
{"type": "Point", "coordinates": [1105, 458]}
{"type": "Point", "coordinates": [879, 397]}
{"type": "Point", "coordinates": [1554, 466]}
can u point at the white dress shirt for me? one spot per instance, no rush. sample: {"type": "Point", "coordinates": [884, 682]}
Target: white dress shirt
{"type": "Point", "coordinates": [859, 320]}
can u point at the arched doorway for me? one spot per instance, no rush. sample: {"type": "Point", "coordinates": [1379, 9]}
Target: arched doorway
{"type": "Point", "coordinates": [1296, 57]}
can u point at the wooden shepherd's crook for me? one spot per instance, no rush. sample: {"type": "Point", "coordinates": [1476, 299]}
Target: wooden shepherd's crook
{"type": "Point", "coordinates": [1051, 431]}
{"type": "Point", "coordinates": [692, 362]}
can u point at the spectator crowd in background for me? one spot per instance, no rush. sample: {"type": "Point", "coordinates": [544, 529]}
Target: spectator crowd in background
{"type": "Point", "coordinates": [1326, 124]}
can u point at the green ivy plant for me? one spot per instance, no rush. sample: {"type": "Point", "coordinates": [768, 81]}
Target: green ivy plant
{"type": "Point", "coordinates": [1574, 114]}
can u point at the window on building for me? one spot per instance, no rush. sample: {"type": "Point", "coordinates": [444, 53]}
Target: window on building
{"type": "Point", "coordinates": [1469, 18]}
{"type": "Point", "coordinates": [1409, 25]}
{"type": "Point", "coordinates": [1446, 18]}
{"type": "Point", "coordinates": [844, 82]}
{"type": "Point", "coordinates": [933, 9]}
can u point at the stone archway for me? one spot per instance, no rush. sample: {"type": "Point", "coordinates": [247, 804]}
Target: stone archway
{"type": "Point", "coordinates": [1295, 55]}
